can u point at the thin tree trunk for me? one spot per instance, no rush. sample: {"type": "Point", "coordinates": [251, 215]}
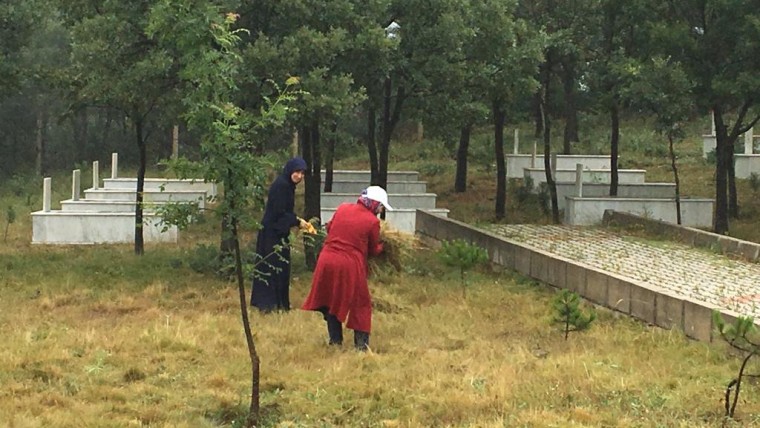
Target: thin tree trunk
{"type": "Point", "coordinates": [537, 115]}
{"type": "Point", "coordinates": [733, 199]}
{"type": "Point", "coordinates": [40, 146]}
{"type": "Point", "coordinates": [391, 116]}
{"type": "Point", "coordinates": [675, 178]}
{"type": "Point", "coordinates": [501, 170]}
{"type": "Point", "coordinates": [382, 166]}
{"type": "Point", "coordinates": [139, 243]}
{"type": "Point", "coordinates": [571, 108]}
{"type": "Point", "coordinates": [372, 144]}
{"type": "Point", "coordinates": [614, 145]}
{"type": "Point", "coordinates": [254, 408]}
{"type": "Point", "coordinates": [313, 183]}
{"type": "Point", "coordinates": [545, 90]}
{"type": "Point", "coordinates": [460, 182]}
{"type": "Point", "coordinates": [330, 157]}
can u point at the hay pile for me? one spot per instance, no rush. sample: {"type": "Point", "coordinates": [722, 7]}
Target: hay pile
{"type": "Point", "coordinates": [397, 248]}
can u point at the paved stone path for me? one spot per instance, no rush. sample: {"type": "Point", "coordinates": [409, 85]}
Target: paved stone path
{"type": "Point", "coordinates": [690, 272]}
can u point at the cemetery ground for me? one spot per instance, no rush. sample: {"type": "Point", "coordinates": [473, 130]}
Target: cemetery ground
{"type": "Point", "coordinates": [94, 336]}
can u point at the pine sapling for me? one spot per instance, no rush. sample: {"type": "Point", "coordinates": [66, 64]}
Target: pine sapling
{"type": "Point", "coordinates": [464, 256]}
{"type": "Point", "coordinates": [739, 336]}
{"type": "Point", "coordinates": [569, 314]}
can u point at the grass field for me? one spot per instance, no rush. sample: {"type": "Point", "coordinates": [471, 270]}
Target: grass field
{"type": "Point", "coordinates": [96, 337]}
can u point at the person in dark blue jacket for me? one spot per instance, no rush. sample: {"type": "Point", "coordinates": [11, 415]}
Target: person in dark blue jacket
{"type": "Point", "coordinates": [271, 284]}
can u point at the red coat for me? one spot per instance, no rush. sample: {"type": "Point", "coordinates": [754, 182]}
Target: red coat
{"type": "Point", "coordinates": [340, 277]}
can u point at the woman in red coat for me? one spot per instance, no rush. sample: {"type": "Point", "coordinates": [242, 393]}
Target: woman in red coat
{"type": "Point", "coordinates": [339, 287]}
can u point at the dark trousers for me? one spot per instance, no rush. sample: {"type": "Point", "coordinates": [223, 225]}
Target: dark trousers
{"type": "Point", "coordinates": [335, 332]}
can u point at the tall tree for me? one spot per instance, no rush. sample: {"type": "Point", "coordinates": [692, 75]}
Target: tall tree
{"type": "Point", "coordinates": [508, 52]}
{"type": "Point", "coordinates": [119, 65]}
{"type": "Point", "coordinates": [621, 43]}
{"type": "Point", "coordinates": [718, 42]}
{"type": "Point", "coordinates": [211, 64]}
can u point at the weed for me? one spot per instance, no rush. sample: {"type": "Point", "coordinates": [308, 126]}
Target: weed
{"type": "Point", "coordinates": [754, 182]}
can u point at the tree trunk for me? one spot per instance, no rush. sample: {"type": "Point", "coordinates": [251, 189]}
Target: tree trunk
{"type": "Point", "coordinates": [254, 408]}
{"type": "Point", "coordinates": [79, 127]}
{"type": "Point", "coordinates": [391, 116]}
{"type": "Point", "coordinates": [537, 115]}
{"type": "Point", "coordinates": [313, 184]}
{"type": "Point", "coordinates": [733, 199]}
{"type": "Point", "coordinates": [40, 146]}
{"type": "Point", "coordinates": [675, 178]}
{"type": "Point", "coordinates": [385, 140]}
{"type": "Point", "coordinates": [571, 108]}
{"type": "Point", "coordinates": [614, 144]}
{"type": "Point", "coordinates": [460, 182]}
{"type": "Point", "coordinates": [720, 222]}
{"type": "Point", "coordinates": [501, 170]}
{"type": "Point", "coordinates": [372, 144]}
{"type": "Point", "coordinates": [330, 157]}
{"type": "Point", "coordinates": [139, 244]}
{"type": "Point", "coordinates": [547, 139]}
{"type": "Point", "coordinates": [105, 135]}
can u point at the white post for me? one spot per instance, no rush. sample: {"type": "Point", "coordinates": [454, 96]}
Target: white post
{"type": "Point", "coordinates": [46, 188]}
{"type": "Point", "coordinates": [114, 165]}
{"type": "Point", "coordinates": [748, 143]}
{"type": "Point", "coordinates": [712, 122]}
{"type": "Point", "coordinates": [516, 148]}
{"type": "Point", "coordinates": [533, 157]}
{"type": "Point", "coordinates": [579, 180]}
{"type": "Point", "coordinates": [75, 184]}
{"type": "Point", "coordinates": [95, 175]}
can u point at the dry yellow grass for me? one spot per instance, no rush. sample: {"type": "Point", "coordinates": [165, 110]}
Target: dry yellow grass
{"type": "Point", "coordinates": [111, 349]}
{"type": "Point", "coordinates": [93, 336]}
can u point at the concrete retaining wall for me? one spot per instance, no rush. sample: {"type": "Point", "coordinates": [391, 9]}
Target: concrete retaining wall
{"type": "Point", "coordinates": [588, 211]}
{"type": "Point", "coordinates": [355, 187]}
{"type": "Point", "coordinates": [687, 235]}
{"type": "Point", "coordinates": [642, 301]}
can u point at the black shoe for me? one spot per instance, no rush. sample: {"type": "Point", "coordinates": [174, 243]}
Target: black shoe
{"type": "Point", "coordinates": [334, 330]}
{"type": "Point", "coordinates": [361, 340]}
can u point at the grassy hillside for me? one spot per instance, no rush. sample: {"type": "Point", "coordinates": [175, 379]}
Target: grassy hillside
{"type": "Point", "coordinates": [94, 336]}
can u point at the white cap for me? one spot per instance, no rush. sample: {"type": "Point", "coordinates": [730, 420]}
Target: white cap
{"type": "Point", "coordinates": [377, 193]}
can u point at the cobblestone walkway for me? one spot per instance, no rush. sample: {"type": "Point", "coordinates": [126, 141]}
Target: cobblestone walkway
{"type": "Point", "coordinates": [695, 273]}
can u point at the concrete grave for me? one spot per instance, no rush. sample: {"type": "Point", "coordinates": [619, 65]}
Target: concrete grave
{"type": "Point", "coordinates": [583, 211]}
{"type": "Point", "coordinates": [402, 219]}
{"type": "Point", "coordinates": [397, 200]}
{"type": "Point", "coordinates": [78, 226]}
{"type": "Point", "coordinates": [601, 176]}
{"type": "Point", "coordinates": [625, 190]}
{"type": "Point", "coordinates": [356, 186]}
